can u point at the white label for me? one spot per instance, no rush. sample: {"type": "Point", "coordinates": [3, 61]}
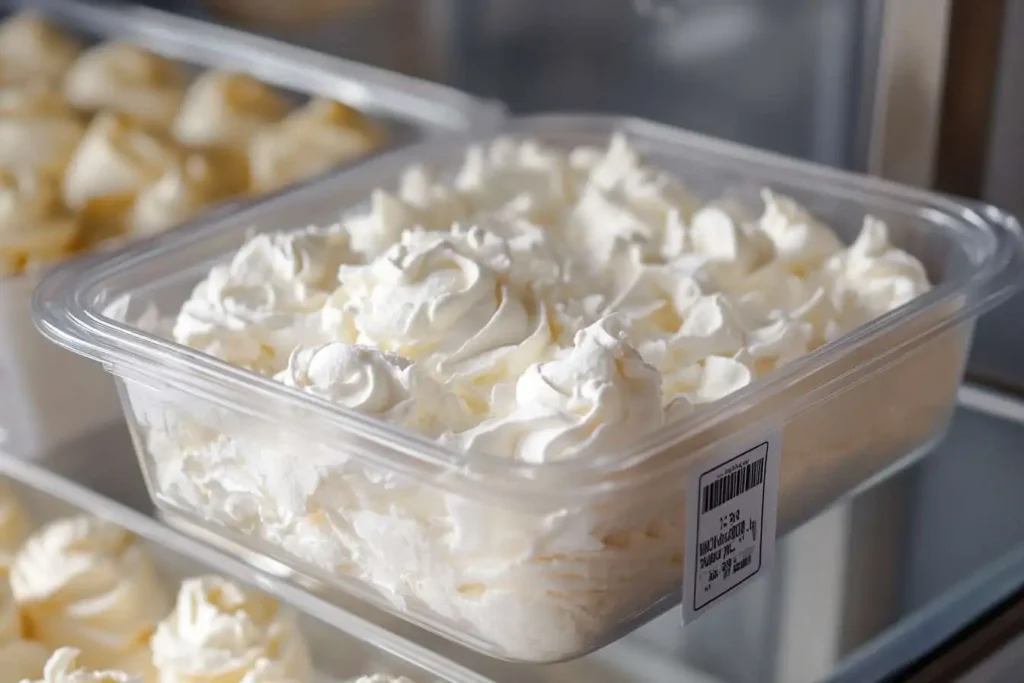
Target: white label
{"type": "Point", "coordinates": [732, 500]}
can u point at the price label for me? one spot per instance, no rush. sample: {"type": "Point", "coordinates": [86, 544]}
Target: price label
{"type": "Point", "coordinates": [731, 510]}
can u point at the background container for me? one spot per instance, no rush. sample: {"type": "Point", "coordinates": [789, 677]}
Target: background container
{"type": "Point", "coordinates": [49, 397]}
{"type": "Point", "coordinates": [848, 411]}
{"type": "Point", "coordinates": [342, 645]}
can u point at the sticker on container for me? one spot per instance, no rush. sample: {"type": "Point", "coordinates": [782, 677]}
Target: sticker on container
{"type": "Point", "coordinates": [732, 499]}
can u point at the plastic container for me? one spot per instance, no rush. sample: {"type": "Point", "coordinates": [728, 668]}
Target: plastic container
{"type": "Point", "coordinates": [848, 411]}
{"type": "Point", "coordinates": [342, 645]}
{"type": "Point", "coordinates": [42, 387]}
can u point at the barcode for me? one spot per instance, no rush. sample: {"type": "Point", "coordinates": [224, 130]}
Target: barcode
{"type": "Point", "coordinates": [732, 485]}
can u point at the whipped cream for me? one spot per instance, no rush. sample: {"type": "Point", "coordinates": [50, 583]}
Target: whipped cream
{"type": "Point", "coordinates": [86, 583]}
{"type": "Point", "coordinates": [594, 399]}
{"type": "Point", "coordinates": [180, 194]}
{"type": "Point", "coordinates": [34, 226]}
{"type": "Point", "coordinates": [32, 50]}
{"type": "Point", "coordinates": [226, 109]}
{"type": "Point", "coordinates": [126, 79]}
{"type": "Point", "coordinates": [116, 160]}
{"type": "Point", "coordinates": [276, 283]}
{"type": "Point", "coordinates": [564, 305]}
{"type": "Point", "coordinates": [38, 130]}
{"type": "Point", "coordinates": [222, 632]}
{"type": "Point", "coordinates": [309, 141]}
{"type": "Point", "coordinates": [64, 667]}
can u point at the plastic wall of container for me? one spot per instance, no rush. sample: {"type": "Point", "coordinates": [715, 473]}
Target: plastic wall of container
{"type": "Point", "coordinates": [49, 397]}
{"type": "Point", "coordinates": [526, 562]}
{"type": "Point", "coordinates": [343, 646]}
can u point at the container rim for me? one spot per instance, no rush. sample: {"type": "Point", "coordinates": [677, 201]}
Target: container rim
{"type": "Point", "coordinates": [432, 109]}
{"type": "Point", "coordinates": [42, 480]}
{"type": "Point", "coordinates": [65, 311]}
{"type": "Point", "coordinates": [364, 85]}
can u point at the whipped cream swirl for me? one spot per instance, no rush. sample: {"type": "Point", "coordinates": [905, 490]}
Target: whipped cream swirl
{"type": "Point", "coordinates": [33, 50]}
{"type": "Point", "coordinates": [220, 631]}
{"type": "Point", "coordinates": [86, 583]}
{"type": "Point", "coordinates": [446, 300]}
{"type": "Point", "coordinates": [259, 307]}
{"type": "Point", "coordinates": [593, 400]}
{"type": "Point", "coordinates": [127, 79]}
{"type": "Point", "coordinates": [226, 109]}
{"type": "Point", "coordinates": [64, 667]}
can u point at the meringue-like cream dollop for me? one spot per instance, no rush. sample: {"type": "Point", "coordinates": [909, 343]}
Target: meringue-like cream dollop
{"type": "Point", "coordinates": [308, 142]}
{"type": "Point", "coordinates": [15, 527]}
{"type": "Point", "coordinates": [127, 79]}
{"type": "Point", "coordinates": [38, 130]}
{"type": "Point", "coordinates": [65, 667]}
{"type": "Point", "coordinates": [33, 50]}
{"type": "Point", "coordinates": [595, 398]}
{"type": "Point", "coordinates": [35, 227]}
{"type": "Point", "coordinates": [220, 632]}
{"type": "Point", "coordinates": [542, 306]}
{"type": "Point", "coordinates": [86, 583]}
{"type": "Point", "coordinates": [116, 160]}
{"type": "Point", "coordinates": [182, 192]}
{"type": "Point", "coordinates": [226, 109]}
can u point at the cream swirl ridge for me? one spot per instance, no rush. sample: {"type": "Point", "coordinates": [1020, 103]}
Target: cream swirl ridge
{"type": "Point", "coordinates": [443, 299]}
{"type": "Point", "coordinates": [592, 400]}
{"type": "Point", "coordinates": [368, 381]}
{"type": "Point", "coordinates": [220, 631]}
{"type": "Point", "coordinates": [254, 310]}
{"type": "Point", "coordinates": [876, 275]}
{"type": "Point", "coordinates": [87, 583]}
{"type": "Point", "coordinates": [63, 667]}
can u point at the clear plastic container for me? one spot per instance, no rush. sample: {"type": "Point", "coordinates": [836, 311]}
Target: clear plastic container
{"type": "Point", "coordinates": [42, 387]}
{"type": "Point", "coordinates": [343, 646]}
{"type": "Point", "coordinates": [390, 500]}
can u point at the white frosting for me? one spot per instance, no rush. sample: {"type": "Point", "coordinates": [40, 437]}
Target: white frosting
{"type": "Point", "coordinates": [32, 50]}
{"type": "Point", "coordinates": [222, 632]}
{"type": "Point", "coordinates": [86, 583]}
{"type": "Point", "coordinates": [595, 399]}
{"type": "Point", "coordinates": [227, 109]}
{"type": "Point", "coordinates": [544, 306]}
{"type": "Point", "coordinates": [277, 284]}
{"type": "Point", "coordinates": [310, 141]}
{"type": "Point", "coordinates": [362, 378]}
{"type": "Point", "coordinates": [801, 241]}
{"type": "Point", "coordinates": [126, 79]}
{"type": "Point", "coordinates": [875, 276]}
{"type": "Point", "coordinates": [382, 678]}
{"type": "Point", "coordinates": [447, 301]}
{"type": "Point", "coordinates": [64, 667]}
